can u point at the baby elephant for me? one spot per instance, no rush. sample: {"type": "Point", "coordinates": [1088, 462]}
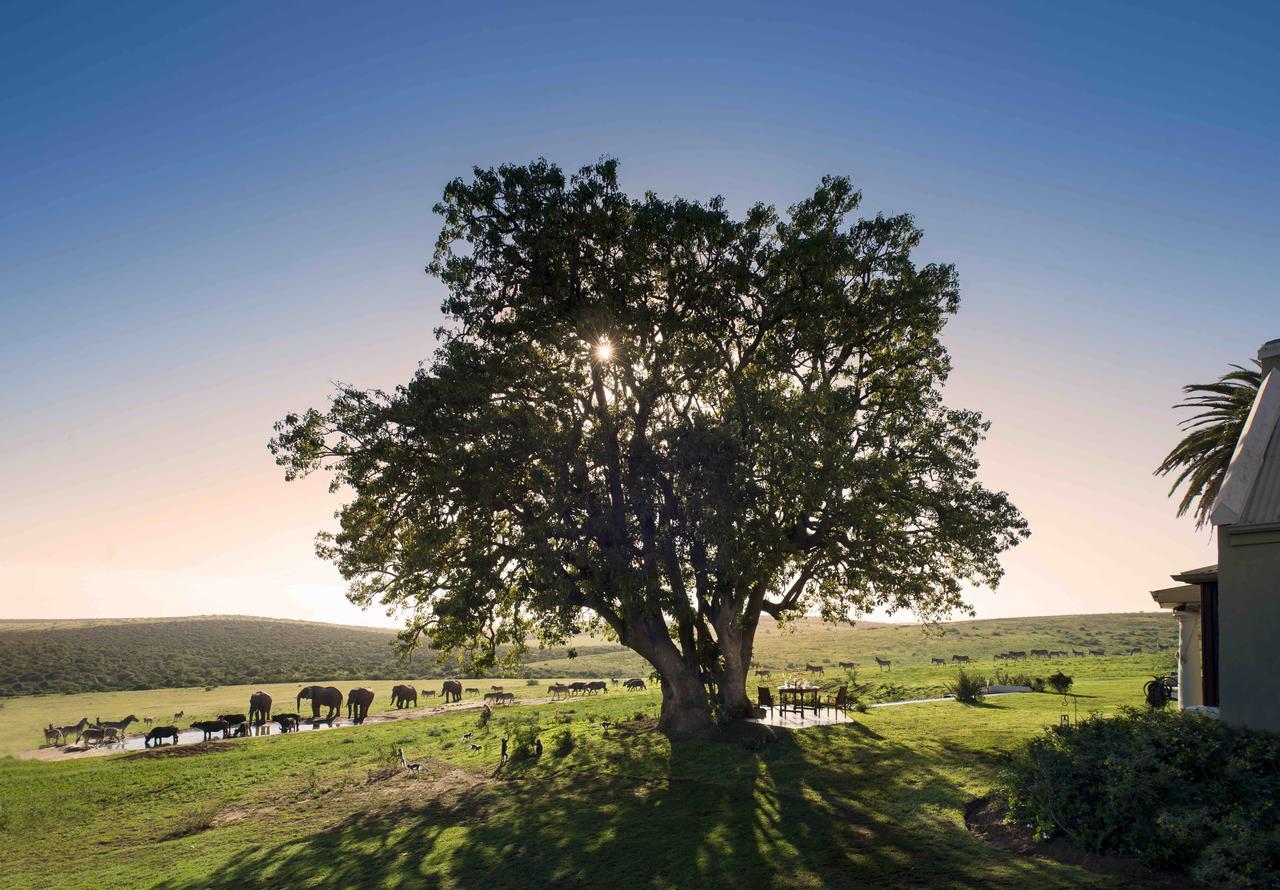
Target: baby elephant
{"type": "Point", "coordinates": [159, 734]}
{"type": "Point", "coordinates": [209, 727]}
{"type": "Point", "coordinates": [288, 722]}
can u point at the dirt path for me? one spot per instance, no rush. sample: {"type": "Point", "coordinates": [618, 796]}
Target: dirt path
{"type": "Point", "coordinates": [55, 753]}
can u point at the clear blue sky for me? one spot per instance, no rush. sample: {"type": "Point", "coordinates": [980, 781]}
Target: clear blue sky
{"type": "Point", "coordinates": [209, 214]}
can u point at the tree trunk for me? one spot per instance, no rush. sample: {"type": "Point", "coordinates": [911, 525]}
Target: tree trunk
{"type": "Point", "coordinates": [686, 712]}
{"type": "Point", "coordinates": [735, 645]}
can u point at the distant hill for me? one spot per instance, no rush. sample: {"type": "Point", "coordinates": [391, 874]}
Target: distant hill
{"type": "Point", "coordinates": [101, 655]}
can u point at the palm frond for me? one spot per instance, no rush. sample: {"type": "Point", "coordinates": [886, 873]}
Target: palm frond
{"type": "Point", "coordinates": [1200, 460]}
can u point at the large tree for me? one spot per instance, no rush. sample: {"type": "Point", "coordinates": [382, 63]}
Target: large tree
{"type": "Point", "coordinates": [1201, 459]}
{"type": "Point", "coordinates": [652, 418]}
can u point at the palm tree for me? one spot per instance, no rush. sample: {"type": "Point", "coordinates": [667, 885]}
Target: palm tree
{"type": "Point", "coordinates": [1201, 458]}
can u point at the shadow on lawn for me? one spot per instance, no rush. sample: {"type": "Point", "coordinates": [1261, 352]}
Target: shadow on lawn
{"type": "Point", "coordinates": [836, 808]}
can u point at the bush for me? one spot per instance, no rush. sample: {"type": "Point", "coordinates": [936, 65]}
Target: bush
{"type": "Point", "coordinates": [1061, 683]}
{"type": "Point", "coordinates": [562, 743]}
{"type": "Point", "coordinates": [966, 687]}
{"type": "Point", "coordinates": [1179, 790]}
{"type": "Point", "coordinates": [531, 682]}
{"type": "Point", "coordinates": [522, 734]}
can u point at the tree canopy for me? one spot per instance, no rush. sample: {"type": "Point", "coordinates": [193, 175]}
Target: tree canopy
{"type": "Point", "coordinates": [650, 415]}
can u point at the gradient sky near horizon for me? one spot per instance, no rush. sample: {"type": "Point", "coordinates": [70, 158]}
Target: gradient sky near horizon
{"type": "Point", "coordinates": [210, 213]}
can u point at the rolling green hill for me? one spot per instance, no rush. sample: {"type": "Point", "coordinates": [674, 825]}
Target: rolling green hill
{"type": "Point", "coordinates": [101, 655]}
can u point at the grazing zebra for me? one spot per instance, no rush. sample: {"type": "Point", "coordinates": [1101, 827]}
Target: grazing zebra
{"type": "Point", "coordinates": [763, 672]}
{"type": "Point", "coordinates": [1077, 653]}
{"type": "Point", "coordinates": [937, 661]}
{"type": "Point", "coordinates": [848, 665]}
{"type": "Point", "coordinates": [558, 689]}
{"type": "Point", "coordinates": [52, 735]}
{"type": "Point", "coordinates": [1097, 651]}
{"type": "Point", "coordinates": [814, 669]}
{"type": "Point", "coordinates": [178, 716]}
{"type": "Point", "coordinates": [884, 663]}
{"type": "Point", "coordinates": [495, 688]}
{"type": "Point", "coordinates": [959, 659]}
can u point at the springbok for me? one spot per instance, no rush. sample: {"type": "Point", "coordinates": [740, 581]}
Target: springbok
{"type": "Point", "coordinates": [883, 663]}
{"type": "Point", "coordinates": [406, 764]}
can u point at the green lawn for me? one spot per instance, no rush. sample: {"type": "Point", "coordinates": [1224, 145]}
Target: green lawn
{"type": "Point", "coordinates": [878, 802]}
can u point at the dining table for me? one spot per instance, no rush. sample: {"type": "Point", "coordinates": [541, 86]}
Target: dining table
{"type": "Point", "coordinates": [799, 697]}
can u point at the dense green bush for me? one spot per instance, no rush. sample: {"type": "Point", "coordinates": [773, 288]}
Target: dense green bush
{"type": "Point", "coordinates": [1178, 790]}
{"type": "Point", "coordinates": [966, 687]}
{"type": "Point", "coordinates": [1060, 682]}
{"type": "Point", "coordinates": [562, 743]}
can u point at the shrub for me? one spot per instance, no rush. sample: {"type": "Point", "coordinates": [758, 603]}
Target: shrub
{"type": "Point", "coordinates": [1179, 790]}
{"type": "Point", "coordinates": [1061, 683]}
{"type": "Point", "coordinates": [531, 682]}
{"type": "Point", "coordinates": [523, 734]}
{"type": "Point", "coordinates": [562, 743]}
{"type": "Point", "coordinates": [967, 687]}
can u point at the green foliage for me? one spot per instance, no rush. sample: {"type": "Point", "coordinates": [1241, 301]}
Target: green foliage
{"type": "Point", "coordinates": [1201, 458]}
{"type": "Point", "coordinates": [1179, 790]}
{"type": "Point", "coordinates": [562, 743]}
{"type": "Point", "coordinates": [197, 652]}
{"type": "Point", "coordinates": [604, 438]}
{"type": "Point", "coordinates": [967, 687]}
{"type": "Point", "coordinates": [1060, 682]}
{"type": "Point", "coordinates": [522, 733]}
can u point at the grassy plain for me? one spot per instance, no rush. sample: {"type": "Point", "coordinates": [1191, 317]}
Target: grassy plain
{"type": "Point", "coordinates": [875, 802]}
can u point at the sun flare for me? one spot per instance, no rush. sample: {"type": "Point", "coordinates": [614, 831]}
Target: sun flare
{"type": "Point", "coordinates": [604, 349]}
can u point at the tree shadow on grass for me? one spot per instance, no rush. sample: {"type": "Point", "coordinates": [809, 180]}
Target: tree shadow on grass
{"type": "Point", "coordinates": [836, 806]}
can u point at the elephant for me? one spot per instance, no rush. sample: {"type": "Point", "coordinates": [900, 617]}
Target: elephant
{"type": "Point", "coordinates": [452, 691]}
{"type": "Point", "coordinates": [326, 696]}
{"type": "Point", "coordinates": [358, 701]}
{"type": "Point", "coordinates": [259, 708]}
{"type": "Point", "coordinates": [401, 695]}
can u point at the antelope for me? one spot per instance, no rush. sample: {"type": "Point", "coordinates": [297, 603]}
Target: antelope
{"type": "Point", "coordinates": [883, 663]}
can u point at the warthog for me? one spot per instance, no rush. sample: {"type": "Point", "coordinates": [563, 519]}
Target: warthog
{"type": "Point", "coordinates": [634, 683]}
